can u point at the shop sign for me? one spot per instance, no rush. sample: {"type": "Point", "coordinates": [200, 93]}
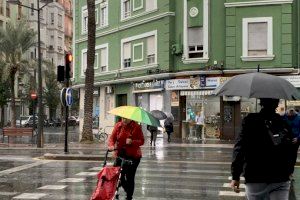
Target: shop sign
{"type": "Point", "coordinates": [293, 103]}
{"type": "Point", "coordinates": [193, 83]}
{"type": "Point", "coordinates": [294, 80]}
{"type": "Point", "coordinates": [149, 85]}
{"type": "Point", "coordinates": [178, 84]}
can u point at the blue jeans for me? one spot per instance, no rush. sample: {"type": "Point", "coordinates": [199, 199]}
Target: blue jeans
{"type": "Point", "coordinates": [268, 191]}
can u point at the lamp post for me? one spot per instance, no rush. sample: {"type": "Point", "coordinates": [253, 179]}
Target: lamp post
{"type": "Point", "coordinates": [40, 84]}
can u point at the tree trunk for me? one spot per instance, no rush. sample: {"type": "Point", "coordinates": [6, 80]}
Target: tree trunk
{"type": "Point", "coordinates": [87, 133]}
{"type": "Point", "coordinates": [13, 100]}
{"type": "Point", "coordinates": [2, 116]}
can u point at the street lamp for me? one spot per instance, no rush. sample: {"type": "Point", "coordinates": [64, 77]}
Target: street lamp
{"type": "Point", "coordinates": [40, 84]}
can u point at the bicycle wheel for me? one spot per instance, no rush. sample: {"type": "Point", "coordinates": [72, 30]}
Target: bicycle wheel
{"type": "Point", "coordinates": [102, 137]}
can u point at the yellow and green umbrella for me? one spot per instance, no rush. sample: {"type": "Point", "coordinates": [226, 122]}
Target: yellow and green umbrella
{"type": "Point", "coordinates": [135, 113]}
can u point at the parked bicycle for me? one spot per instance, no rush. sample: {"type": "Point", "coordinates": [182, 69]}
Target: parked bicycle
{"type": "Point", "coordinates": [102, 135]}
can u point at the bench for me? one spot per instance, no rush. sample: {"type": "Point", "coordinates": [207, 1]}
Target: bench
{"type": "Point", "coordinates": [17, 132]}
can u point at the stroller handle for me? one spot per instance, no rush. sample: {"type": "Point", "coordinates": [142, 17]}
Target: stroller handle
{"type": "Point", "coordinates": [123, 160]}
{"type": "Point", "coordinates": [106, 155]}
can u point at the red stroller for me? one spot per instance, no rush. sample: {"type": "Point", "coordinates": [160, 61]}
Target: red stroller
{"type": "Point", "coordinates": [109, 181]}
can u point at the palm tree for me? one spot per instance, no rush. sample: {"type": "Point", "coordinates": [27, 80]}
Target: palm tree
{"type": "Point", "coordinates": [51, 93]}
{"type": "Point", "coordinates": [87, 133]}
{"type": "Point", "coordinates": [4, 94]}
{"type": "Point", "coordinates": [15, 40]}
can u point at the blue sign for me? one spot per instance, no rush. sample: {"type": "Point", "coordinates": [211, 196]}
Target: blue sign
{"type": "Point", "coordinates": [69, 97]}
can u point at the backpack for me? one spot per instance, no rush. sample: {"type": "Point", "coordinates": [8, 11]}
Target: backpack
{"type": "Point", "coordinates": [279, 134]}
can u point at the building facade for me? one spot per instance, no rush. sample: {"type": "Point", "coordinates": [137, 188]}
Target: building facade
{"type": "Point", "coordinates": [171, 54]}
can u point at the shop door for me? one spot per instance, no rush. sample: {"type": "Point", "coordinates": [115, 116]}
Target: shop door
{"type": "Point", "coordinates": [231, 119]}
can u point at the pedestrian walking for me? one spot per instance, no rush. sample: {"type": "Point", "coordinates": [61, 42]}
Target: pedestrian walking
{"type": "Point", "coordinates": [126, 138]}
{"type": "Point", "coordinates": [153, 130]}
{"type": "Point", "coordinates": [168, 124]}
{"type": "Point", "coordinates": [264, 154]}
{"type": "Point", "coordinates": [293, 120]}
{"type": "Point", "coordinates": [199, 119]}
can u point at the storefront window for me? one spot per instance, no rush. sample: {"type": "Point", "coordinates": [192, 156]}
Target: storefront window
{"type": "Point", "coordinates": [205, 111]}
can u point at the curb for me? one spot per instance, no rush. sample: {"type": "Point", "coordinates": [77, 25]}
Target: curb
{"type": "Point", "coordinates": [50, 156]}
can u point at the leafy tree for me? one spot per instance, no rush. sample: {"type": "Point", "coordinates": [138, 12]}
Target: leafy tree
{"type": "Point", "coordinates": [87, 133]}
{"type": "Point", "coordinates": [15, 40]}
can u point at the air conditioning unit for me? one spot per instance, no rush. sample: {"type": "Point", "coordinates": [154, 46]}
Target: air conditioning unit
{"type": "Point", "coordinates": [109, 90]}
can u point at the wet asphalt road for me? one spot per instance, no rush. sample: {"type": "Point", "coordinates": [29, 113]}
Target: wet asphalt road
{"type": "Point", "coordinates": [167, 171]}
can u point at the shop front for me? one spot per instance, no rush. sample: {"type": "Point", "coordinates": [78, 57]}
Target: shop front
{"type": "Point", "coordinates": [195, 109]}
{"type": "Point", "coordinates": [149, 95]}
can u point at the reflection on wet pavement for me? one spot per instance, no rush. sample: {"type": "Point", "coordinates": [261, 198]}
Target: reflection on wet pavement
{"type": "Point", "coordinates": [176, 171]}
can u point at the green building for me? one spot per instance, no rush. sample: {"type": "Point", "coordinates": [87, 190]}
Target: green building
{"type": "Point", "coordinates": [171, 54]}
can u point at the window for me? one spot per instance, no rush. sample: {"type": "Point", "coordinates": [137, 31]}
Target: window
{"type": "Point", "coordinates": [84, 61]}
{"type": "Point", "coordinates": [195, 42]}
{"type": "Point", "coordinates": [138, 51]}
{"type": "Point", "coordinates": [96, 16]}
{"type": "Point", "coordinates": [151, 5]}
{"type": "Point", "coordinates": [126, 9]}
{"type": "Point", "coordinates": [32, 9]}
{"type": "Point", "coordinates": [103, 67]}
{"type": "Point", "coordinates": [1, 23]}
{"type": "Point", "coordinates": [60, 20]}
{"type": "Point", "coordinates": [151, 50]}
{"type": "Point", "coordinates": [84, 21]}
{"type": "Point", "coordinates": [41, 14]}
{"type": "Point", "coordinates": [127, 55]}
{"type": "Point", "coordinates": [7, 10]}
{"type": "Point", "coordinates": [1, 7]}
{"type": "Point", "coordinates": [52, 18]}
{"type": "Point", "coordinates": [103, 15]}
{"type": "Point", "coordinates": [96, 62]}
{"type": "Point", "coordinates": [257, 39]}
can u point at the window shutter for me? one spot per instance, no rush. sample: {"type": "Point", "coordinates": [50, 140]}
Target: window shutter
{"type": "Point", "coordinates": [258, 36]}
{"type": "Point", "coordinates": [151, 45]}
{"type": "Point", "coordinates": [151, 5]}
{"type": "Point", "coordinates": [103, 57]}
{"type": "Point", "coordinates": [127, 50]}
{"type": "Point", "coordinates": [195, 36]}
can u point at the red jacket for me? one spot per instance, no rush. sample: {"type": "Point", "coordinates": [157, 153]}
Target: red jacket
{"type": "Point", "coordinates": [119, 135]}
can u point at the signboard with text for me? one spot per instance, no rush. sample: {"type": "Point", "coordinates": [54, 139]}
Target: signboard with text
{"type": "Point", "coordinates": [193, 83]}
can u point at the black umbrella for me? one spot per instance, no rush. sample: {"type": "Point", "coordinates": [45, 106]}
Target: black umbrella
{"type": "Point", "coordinates": [258, 85]}
{"type": "Point", "coordinates": [158, 114]}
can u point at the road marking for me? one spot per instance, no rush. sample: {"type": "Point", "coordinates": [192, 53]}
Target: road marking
{"type": "Point", "coordinates": [72, 180]}
{"type": "Point", "coordinates": [53, 187]}
{"type": "Point", "coordinates": [241, 178]}
{"type": "Point", "coordinates": [232, 194]}
{"type": "Point", "coordinates": [227, 185]}
{"type": "Point", "coordinates": [23, 167]}
{"type": "Point", "coordinates": [87, 174]}
{"type": "Point", "coordinates": [30, 196]}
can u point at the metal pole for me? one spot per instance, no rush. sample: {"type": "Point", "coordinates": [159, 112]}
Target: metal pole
{"type": "Point", "coordinates": [66, 121]}
{"type": "Point", "coordinates": [40, 86]}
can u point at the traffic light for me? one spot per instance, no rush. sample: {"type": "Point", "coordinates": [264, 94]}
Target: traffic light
{"type": "Point", "coordinates": [60, 73]}
{"type": "Point", "coordinates": [68, 60]}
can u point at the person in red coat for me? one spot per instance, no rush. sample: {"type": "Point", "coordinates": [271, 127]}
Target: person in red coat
{"type": "Point", "coordinates": [126, 139]}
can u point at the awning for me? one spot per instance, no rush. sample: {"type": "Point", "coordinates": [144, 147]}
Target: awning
{"type": "Point", "coordinates": [196, 92]}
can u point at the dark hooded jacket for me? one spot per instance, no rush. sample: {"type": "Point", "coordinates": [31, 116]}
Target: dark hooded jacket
{"type": "Point", "coordinates": [256, 156]}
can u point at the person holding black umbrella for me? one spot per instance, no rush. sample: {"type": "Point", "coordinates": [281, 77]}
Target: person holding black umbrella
{"type": "Point", "coordinates": [264, 153]}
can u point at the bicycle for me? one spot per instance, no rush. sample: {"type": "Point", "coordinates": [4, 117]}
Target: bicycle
{"type": "Point", "coordinates": [101, 136]}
